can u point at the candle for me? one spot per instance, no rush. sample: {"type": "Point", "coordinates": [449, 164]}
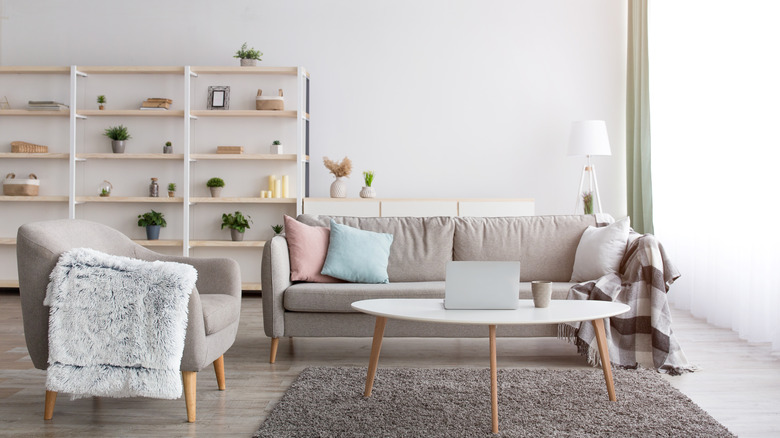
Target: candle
{"type": "Point", "coordinates": [278, 189]}
{"type": "Point", "coordinates": [285, 187]}
{"type": "Point", "coordinates": [271, 179]}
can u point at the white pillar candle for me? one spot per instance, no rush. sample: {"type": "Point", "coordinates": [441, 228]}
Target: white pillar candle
{"type": "Point", "coordinates": [271, 182]}
{"type": "Point", "coordinates": [285, 187]}
{"type": "Point", "coordinates": [278, 189]}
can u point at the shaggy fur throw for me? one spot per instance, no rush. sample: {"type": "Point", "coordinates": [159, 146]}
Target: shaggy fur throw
{"type": "Point", "coordinates": [117, 325]}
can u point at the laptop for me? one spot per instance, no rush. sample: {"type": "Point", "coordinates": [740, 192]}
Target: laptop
{"type": "Point", "coordinates": [482, 285]}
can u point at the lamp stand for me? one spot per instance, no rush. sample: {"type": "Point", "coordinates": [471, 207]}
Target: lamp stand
{"type": "Point", "coordinates": [593, 186]}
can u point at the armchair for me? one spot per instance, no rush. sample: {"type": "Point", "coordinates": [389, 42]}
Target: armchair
{"type": "Point", "coordinates": [214, 306]}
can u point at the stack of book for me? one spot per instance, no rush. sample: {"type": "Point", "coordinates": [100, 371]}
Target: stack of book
{"type": "Point", "coordinates": [156, 103]}
{"type": "Point", "coordinates": [45, 105]}
{"type": "Point", "coordinates": [230, 149]}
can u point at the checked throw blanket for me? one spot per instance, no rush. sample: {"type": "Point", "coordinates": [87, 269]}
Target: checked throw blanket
{"type": "Point", "coordinates": [643, 332]}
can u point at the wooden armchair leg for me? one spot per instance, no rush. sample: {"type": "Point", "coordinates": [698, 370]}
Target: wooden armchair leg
{"type": "Point", "coordinates": [274, 347]}
{"type": "Point", "coordinates": [219, 369]}
{"type": "Point", "coordinates": [190, 379]}
{"type": "Point", "coordinates": [48, 409]}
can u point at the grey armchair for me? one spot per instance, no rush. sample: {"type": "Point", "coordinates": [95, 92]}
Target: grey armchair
{"type": "Point", "coordinates": [214, 306]}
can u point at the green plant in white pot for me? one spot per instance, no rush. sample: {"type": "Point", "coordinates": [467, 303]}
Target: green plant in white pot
{"type": "Point", "coordinates": [152, 220]}
{"type": "Point", "coordinates": [118, 135]}
{"type": "Point", "coordinates": [249, 57]}
{"type": "Point", "coordinates": [238, 224]}
{"type": "Point", "coordinates": [215, 185]}
{"type": "Point", "coordinates": [367, 191]}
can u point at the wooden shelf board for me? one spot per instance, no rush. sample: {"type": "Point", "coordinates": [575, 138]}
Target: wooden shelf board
{"type": "Point", "coordinates": [34, 198]}
{"type": "Point", "coordinates": [227, 243]}
{"type": "Point", "coordinates": [131, 113]}
{"type": "Point", "coordinates": [242, 200]}
{"type": "Point", "coordinates": [158, 242]}
{"type": "Point", "coordinates": [7, 241]}
{"type": "Point", "coordinates": [245, 70]}
{"type": "Point", "coordinates": [251, 286]}
{"type": "Point", "coordinates": [129, 199]}
{"type": "Point", "coordinates": [33, 113]}
{"type": "Point", "coordinates": [244, 113]}
{"type": "Point", "coordinates": [11, 283]}
{"type": "Point", "coordinates": [35, 69]}
{"type": "Point", "coordinates": [47, 155]}
{"type": "Point", "coordinates": [418, 199]}
{"type": "Point", "coordinates": [104, 69]}
{"type": "Point", "coordinates": [283, 157]}
{"type": "Point", "coordinates": [111, 156]}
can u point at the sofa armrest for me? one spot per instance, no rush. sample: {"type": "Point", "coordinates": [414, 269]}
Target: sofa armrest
{"type": "Point", "coordinates": [275, 277]}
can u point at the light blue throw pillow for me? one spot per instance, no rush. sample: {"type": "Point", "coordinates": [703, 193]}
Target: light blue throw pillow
{"type": "Point", "coordinates": [358, 256]}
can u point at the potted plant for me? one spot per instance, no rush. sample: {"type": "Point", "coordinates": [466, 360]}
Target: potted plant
{"type": "Point", "coordinates": [277, 229]}
{"type": "Point", "coordinates": [105, 189]}
{"type": "Point", "coordinates": [168, 148]}
{"type": "Point", "coordinates": [368, 191]}
{"type": "Point", "coordinates": [587, 202]}
{"type": "Point", "coordinates": [171, 190]}
{"type": "Point", "coordinates": [118, 136]}
{"type": "Point", "coordinates": [340, 170]}
{"type": "Point", "coordinates": [215, 185]}
{"type": "Point", "coordinates": [152, 221]}
{"type": "Point", "coordinates": [238, 223]}
{"type": "Point", "coordinates": [276, 147]}
{"type": "Point", "coordinates": [249, 57]}
{"type": "Point", "coordinates": [101, 99]}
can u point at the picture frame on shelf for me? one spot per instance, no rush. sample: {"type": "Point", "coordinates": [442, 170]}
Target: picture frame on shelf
{"type": "Point", "coordinates": [219, 97]}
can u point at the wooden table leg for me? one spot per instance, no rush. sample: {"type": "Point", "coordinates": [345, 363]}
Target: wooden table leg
{"type": "Point", "coordinates": [379, 332]}
{"type": "Point", "coordinates": [601, 340]}
{"type": "Point", "coordinates": [493, 379]}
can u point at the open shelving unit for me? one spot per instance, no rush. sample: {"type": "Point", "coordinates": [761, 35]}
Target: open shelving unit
{"type": "Point", "coordinates": [190, 230]}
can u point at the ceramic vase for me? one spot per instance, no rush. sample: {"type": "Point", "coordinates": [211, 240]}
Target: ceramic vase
{"type": "Point", "coordinates": [339, 188]}
{"type": "Point", "coordinates": [368, 192]}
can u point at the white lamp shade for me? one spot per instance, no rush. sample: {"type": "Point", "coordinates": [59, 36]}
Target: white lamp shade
{"type": "Point", "coordinates": [589, 137]}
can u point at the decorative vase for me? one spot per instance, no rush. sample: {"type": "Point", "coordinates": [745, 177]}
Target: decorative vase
{"type": "Point", "coordinates": [236, 235]}
{"type": "Point", "coordinates": [152, 232]}
{"type": "Point", "coordinates": [167, 149]}
{"type": "Point", "coordinates": [118, 146]}
{"type": "Point", "coordinates": [368, 192]}
{"type": "Point", "coordinates": [215, 191]}
{"type": "Point", "coordinates": [154, 188]}
{"type": "Point", "coordinates": [339, 188]}
{"type": "Point", "coordinates": [248, 62]}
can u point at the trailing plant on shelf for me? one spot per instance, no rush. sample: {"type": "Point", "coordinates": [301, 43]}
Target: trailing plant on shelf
{"type": "Point", "coordinates": [368, 191]}
{"type": "Point", "coordinates": [248, 56]}
{"type": "Point", "coordinates": [277, 229]}
{"type": "Point", "coordinates": [152, 220]}
{"type": "Point", "coordinates": [118, 135]}
{"type": "Point", "coordinates": [101, 99]}
{"type": "Point", "coordinates": [237, 223]}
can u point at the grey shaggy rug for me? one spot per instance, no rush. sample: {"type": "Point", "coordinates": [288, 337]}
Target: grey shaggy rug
{"type": "Point", "coordinates": [329, 402]}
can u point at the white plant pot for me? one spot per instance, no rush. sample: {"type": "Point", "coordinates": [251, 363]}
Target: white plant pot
{"type": "Point", "coordinates": [339, 188]}
{"type": "Point", "coordinates": [368, 192]}
{"type": "Point", "coordinates": [277, 149]}
{"type": "Point", "coordinates": [248, 62]}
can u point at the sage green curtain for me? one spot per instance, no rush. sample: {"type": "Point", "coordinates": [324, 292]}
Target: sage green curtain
{"type": "Point", "coordinates": [638, 175]}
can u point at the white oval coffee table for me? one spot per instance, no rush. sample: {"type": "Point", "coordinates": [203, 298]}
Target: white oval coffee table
{"type": "Point", "coordinates": [432, 310]}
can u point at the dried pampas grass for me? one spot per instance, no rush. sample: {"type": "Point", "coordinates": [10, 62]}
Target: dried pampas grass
{"type": "Point", "coordinates": [338, 169]}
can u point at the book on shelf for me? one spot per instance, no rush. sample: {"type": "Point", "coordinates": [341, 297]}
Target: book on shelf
{"type": "Point", "coordinates": [153, 109]}
{"type": "Point", "coordinates": [147, 104]}
{"type": "Point", "coordinates": [159, 99]}
{"type": "Point", "coordinates": [230, 149]}
{"type": "Point", "coordinates": [46, 105]}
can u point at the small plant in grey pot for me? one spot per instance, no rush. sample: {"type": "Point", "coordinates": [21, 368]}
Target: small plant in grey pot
{"type": "Point", "coordinates": [249, 57]}
{"type": "Point", "coordinates": [118, 136]}
{"type": "Point", "coordinates": [238, 224]}
{"type": "Point", "coordinates": [152, 221]}
{"type": "Point", "coordinates": [215, 185]}
{"type": "Point", "coordinates": [168, 148]}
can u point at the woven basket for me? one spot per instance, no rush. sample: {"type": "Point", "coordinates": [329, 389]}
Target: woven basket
{"type": "Point", "coordinates": [24, 147]}
{"type": "Point", "coordinates": [273, 103]}
{"type": "Point", "coordinates": [20, 187]}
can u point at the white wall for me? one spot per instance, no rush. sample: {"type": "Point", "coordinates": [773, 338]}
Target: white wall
{"type": "Point", "coordinates": [441, 98]}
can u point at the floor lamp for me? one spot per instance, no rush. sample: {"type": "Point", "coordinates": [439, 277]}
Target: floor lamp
{"type": "Point", "coordinates": [588, 138]}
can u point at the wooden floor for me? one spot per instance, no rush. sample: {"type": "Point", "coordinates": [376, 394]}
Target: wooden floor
{"type": "Point", "coordinates": [739, 383]}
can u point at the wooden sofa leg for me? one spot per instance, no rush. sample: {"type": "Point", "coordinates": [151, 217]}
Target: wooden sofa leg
{"type": "Point", "coordinates": [48, 409]}
{"type": "Point", "coordinates": [274, 347]}
{"type": "Point", "coordinates": [219, 369]}
{"type": "Point", "coordinates": [190, 379]}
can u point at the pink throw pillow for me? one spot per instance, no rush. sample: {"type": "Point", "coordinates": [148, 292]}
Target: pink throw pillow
{"type": "Point", "coordinates": [308, 248]}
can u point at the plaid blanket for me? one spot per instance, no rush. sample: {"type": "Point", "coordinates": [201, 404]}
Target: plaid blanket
{"type": "Point", "coordinates": [643, 334]}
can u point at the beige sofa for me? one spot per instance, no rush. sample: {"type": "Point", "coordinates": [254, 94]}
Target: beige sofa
{"type": "Point", "coordinates": [544, 245]}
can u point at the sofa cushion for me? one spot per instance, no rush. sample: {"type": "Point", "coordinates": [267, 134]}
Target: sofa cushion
{"type": "Point", "coordinates": [421, 246]}
{"type": "Point", "coordinates": [357, 255]}
{"type": "Point", "coordinates": [219, 311]}
{"type": "Point", "coordinates": [544, 245]}
{"type": "Point", "coordinates": [308, 248]}
{"type": "Point", "coordinates": [337, 298]}
{"type": "Point", "coordinates": [600, 251]}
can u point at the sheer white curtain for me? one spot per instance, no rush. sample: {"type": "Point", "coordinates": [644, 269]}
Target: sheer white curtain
{"type": "Point", "coordinates": [715, 111]}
